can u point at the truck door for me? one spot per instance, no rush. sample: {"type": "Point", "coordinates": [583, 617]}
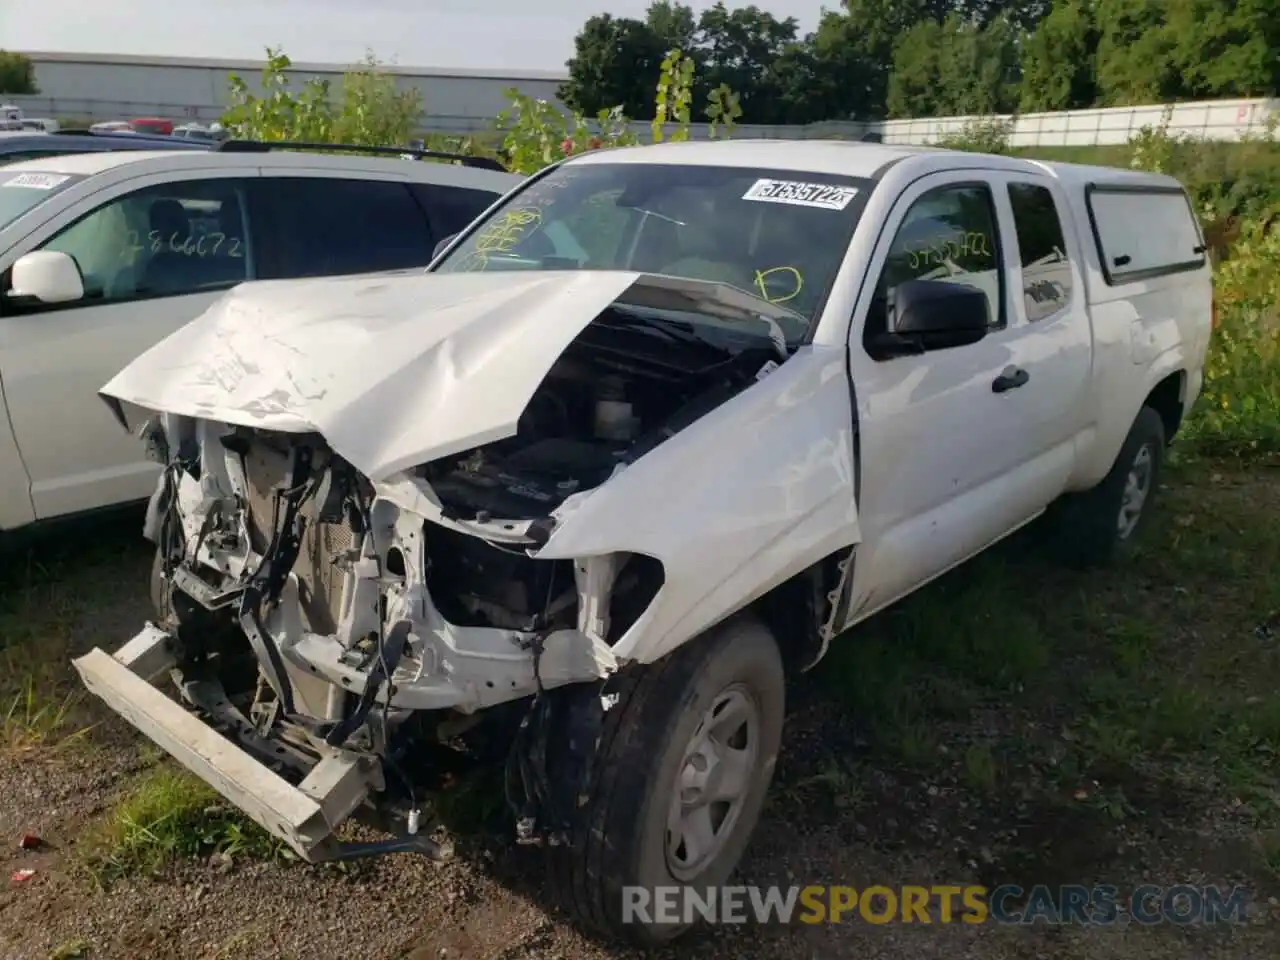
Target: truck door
{"type": "Point", "coordinates": [949, 459]}
{"type": "Point", "coordinates": [1051, 333]}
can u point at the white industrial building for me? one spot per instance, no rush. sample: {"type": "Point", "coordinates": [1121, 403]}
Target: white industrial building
{"type": "Point", "coordinates": [95, 86]}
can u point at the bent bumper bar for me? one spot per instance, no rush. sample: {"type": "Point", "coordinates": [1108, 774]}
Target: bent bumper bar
{"type": "Point", "coordinates": [304, 816]}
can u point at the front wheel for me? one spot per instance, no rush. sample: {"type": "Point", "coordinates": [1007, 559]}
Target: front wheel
{"type": "Point", "coordinates": [1098, 525]}
{"type": "Point", "coordinates": [683, 766]}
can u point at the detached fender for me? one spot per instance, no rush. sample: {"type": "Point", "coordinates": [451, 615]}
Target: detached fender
{"type": "Point", "coordinates": [754, 492]}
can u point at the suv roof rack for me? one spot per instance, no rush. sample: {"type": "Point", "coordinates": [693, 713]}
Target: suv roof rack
{"type": "Point", "coordinates": [263, 146]}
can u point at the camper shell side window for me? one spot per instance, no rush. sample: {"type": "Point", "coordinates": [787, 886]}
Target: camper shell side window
{"type": "Point", "coordinates": [1143, 232]}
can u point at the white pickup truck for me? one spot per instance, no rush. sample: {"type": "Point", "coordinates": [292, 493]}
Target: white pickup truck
{"type": "Point", "coordinates": [655, 429]}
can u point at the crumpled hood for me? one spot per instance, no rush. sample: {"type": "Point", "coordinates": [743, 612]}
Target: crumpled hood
{"type": "Point", "coordinates": [393, 371]}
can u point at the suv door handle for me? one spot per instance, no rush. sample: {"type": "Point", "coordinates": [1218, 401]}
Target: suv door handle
{"type": "Point", "coordinates": [1011, 379]}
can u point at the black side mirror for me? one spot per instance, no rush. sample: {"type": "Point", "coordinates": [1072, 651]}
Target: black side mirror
{"type": "Point", "coordinates": [935, 315]}
{"type": "Point", "coordinates": [441, 245]}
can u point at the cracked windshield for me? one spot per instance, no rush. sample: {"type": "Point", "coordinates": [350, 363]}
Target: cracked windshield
{"type": "Point", "coordinates": [779, 235]}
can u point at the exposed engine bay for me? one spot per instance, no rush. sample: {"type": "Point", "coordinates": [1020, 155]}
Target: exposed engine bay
{"type": "Point", "coordinates": [326, 622]}
{"type": "Point", "coordinates": [627, 383]}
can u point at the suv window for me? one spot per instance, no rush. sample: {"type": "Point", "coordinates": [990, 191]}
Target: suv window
{"type": "Point", "coordinates": [947, 234]}
{"type": "Point", "coordinates": [450, 209]}
{"type": "Point", "coordinates": [166, 240]}
{"type": "Point", "coordinates": [325, 226]}
{"type": "Point", "coordinates": [1042, 248]}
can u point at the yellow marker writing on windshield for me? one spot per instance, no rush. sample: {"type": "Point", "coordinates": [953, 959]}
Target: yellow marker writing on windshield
{"type": "Point", "coordinates": [501, 236]}
{"type": "Point", "coordinates": [764, 290]}
{"type": "Point", "coordinates": [507, 230]}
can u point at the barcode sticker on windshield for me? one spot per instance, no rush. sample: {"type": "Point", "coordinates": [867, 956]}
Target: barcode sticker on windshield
{"type": "Point", "coordinates": [801, 194]}
{"type": "Point", "coordinates": [36, 181]}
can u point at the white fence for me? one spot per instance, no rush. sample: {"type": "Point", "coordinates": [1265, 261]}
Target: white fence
{"type": "Point", "coordinates": [1225, 120]}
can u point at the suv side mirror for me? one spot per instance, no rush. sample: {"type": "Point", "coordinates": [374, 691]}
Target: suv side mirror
{"type": "Point", "coordinates": [46, 276]}
{"type": "Point", "coordinates": [441, 245]}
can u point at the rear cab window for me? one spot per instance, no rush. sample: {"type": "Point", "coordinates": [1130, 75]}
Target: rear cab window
{"type": "Point", "coordinates": [1144, 232]}
{"type": "Point", "coordinates": [21, 191]}
{"type": "Point", "coordinates": [1042, 251]}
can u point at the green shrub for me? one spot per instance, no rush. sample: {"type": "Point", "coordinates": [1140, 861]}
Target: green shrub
{"type": "Point", "coordinates": [369, 109]}
{"type": "Point", "coordinates": [1238, 412]}
{"type": "Point", "coordinates": [984, 135]}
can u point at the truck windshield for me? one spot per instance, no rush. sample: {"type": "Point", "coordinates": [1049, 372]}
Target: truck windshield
{"type": "Point", "coordinates": [780, 235]}
{"type": "Point", "coordinates": [22, 191]}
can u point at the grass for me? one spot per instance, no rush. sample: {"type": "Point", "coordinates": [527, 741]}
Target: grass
{"type": "Point", "coordinates": [32, 722]}
{"type": "Point", "coordinates": [75, 949]}
{"type": "Point", "coordinates": [170, 815]}
{"type": "Point", "coordinates": [1043, 696]}
{"type": "Point", "coordinates": [58, 596]}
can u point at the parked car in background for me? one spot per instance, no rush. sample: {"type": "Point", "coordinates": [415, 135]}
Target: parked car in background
{"type": "Point", "coordinates": [152, 125]}
{"type": "Point", "coordinates": [111, 126]}
{"type": "Point", "coordinates": [17, 145]}
{"type": "Point", "coordinates": [198, 131]}
{"type": "Point", "coordinates": [103, 254]}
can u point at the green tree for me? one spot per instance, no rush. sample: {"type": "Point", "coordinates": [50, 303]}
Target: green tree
{"type": "Point", "coordinates": [17, 73]}
{"type": "Point", "coordinates": [616, 62]}
{"type": "Point", "coordinates": [741, 48]}
{"type": "Point", "coordinates": [675, 24]}
{"type": "Point", "coordinates": [1225, 49]}
{"type": "Point", "coordinates": [1058, 60]}
{"type": "Point", "coordinates": [1024, 15]}
{"type": "Point", "coordinates": [1135, 63]}
{"type": "Point", "coordinates": [841, 70]}
{"type": "Point", "coordinates": [954, 68]}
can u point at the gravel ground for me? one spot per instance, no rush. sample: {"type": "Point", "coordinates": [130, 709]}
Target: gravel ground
{"type": "Point", "coordinates": [892, 823]}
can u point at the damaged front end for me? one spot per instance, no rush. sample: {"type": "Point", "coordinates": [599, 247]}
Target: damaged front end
{"type": "Point", "coordinates": [300, 624]}
{"type": "Point", "coordinates": [322, 626]}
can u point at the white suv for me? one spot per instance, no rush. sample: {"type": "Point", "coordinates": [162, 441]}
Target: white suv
{"type": "Point", "coordinates": [103, 255]}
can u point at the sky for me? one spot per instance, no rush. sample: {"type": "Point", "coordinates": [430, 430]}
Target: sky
{"type": "Point", "coordinates": [507, 34]}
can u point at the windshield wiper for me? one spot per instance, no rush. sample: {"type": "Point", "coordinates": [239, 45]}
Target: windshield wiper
{"type": "Point", "coordinates": [677, 331]}
{"type": "Point", "coordinates": [682, 331]}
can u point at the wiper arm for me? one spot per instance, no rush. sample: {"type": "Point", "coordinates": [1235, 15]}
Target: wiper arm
{"type": "Point", "coordinates": [777, 336]}
{"type": "Point", "coordinates": [677, 331]}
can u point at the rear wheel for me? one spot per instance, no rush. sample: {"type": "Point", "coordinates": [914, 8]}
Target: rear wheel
{"type": "Point", "coordinates": [1099, 525]}
{"type": "Point", "coordinates": [682, 770]}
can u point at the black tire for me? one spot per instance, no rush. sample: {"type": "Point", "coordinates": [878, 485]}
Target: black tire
{"type": "Point", "coordinates": [1088, 528]}
{"type": "Point", "coordinates": [620, 836]}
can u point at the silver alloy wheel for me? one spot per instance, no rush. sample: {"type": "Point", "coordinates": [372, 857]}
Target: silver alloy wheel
{"type": "Point", "coordinates": [715, 777]}
{"type": "Point", "coordinates": [1137, 487]}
